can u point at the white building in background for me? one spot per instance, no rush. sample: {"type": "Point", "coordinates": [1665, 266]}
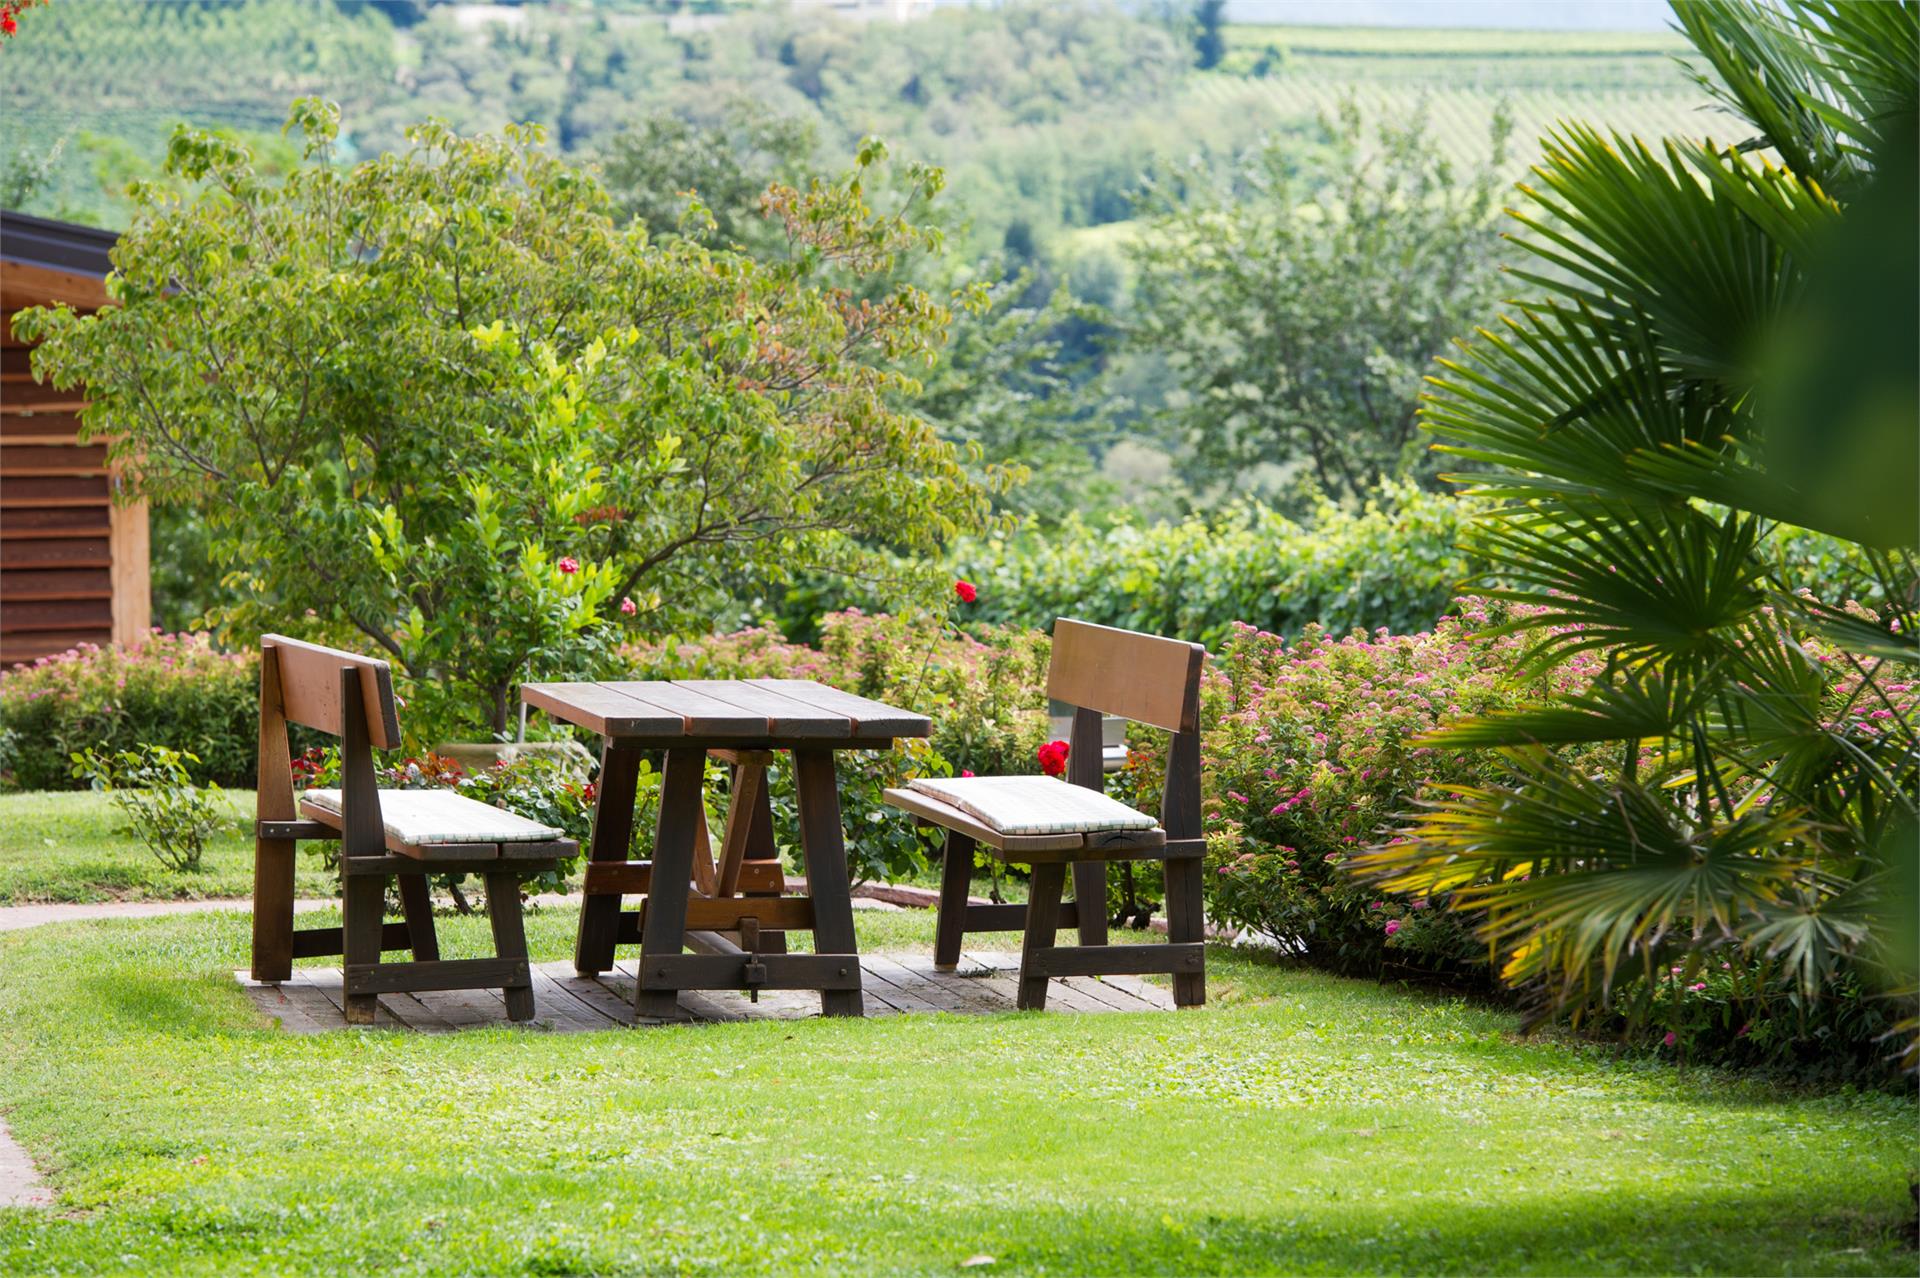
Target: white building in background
{"type": "Point", "coordinates": [867, 10]}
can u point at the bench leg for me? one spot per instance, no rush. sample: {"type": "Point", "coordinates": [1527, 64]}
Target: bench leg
{"type": "Point", "coordinates": [363, 906]}
{"type": "Point", "coordinates": [273, 909]}
{"type": "Point", "coordinates": [1186, 922]}
{"type": "Point", "coordinates": [1043, 920]}
{"type": "Point", "coordinates": [416, 904]}
{"type": "Point", "coordinates": [510, 941]}
{"type": "Point", "coordinates": [1090, 894]}
{"type": "Point", "coordinates": [956, 876]}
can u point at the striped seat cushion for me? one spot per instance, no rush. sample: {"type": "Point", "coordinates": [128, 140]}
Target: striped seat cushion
{"type": "Point", "coordinates": [1034, 805]}
{"type": "Point", "coordinates": [423, 817]}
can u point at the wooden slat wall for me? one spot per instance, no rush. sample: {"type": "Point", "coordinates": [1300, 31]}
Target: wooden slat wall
{"type": "Point", "coordinates": [73, 564]}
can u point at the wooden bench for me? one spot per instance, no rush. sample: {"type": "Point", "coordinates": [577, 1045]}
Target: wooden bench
{"type": "Point", "coordinates": [1140, 677]}
{"type": "Point", "coordinates": [404, 835]}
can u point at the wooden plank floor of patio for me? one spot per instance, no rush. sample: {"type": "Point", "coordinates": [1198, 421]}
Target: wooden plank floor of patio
{"type": "Point", "coordinates": [566, 1002]}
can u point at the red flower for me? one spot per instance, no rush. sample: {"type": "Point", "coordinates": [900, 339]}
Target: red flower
{"type": "Point", "coordinates": [966, 772]}
{"type": "Point", "coordinates": [7, 24]}
{"type": "Point", "coordinates": [627, 605]}
{"type": "Point", "coordinates": [1053, 758]}
{"type": "Point", "coordinates": [569, 565]}
{"type": "Point", "coordinates": [966, 591]}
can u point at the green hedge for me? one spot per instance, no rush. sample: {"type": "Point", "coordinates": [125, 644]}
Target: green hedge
{"type": "Point", "coordinates": [1394, 563]}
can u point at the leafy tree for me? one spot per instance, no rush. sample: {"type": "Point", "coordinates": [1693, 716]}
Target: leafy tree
{"type": "Point", "coordinates": [1645, 419]}
{"type": "Point", "coordinates": [678, 177]}
{"type": "Point", "coordinates": [1209, 44]}
{"type": "Point", "coordinates": [440, 400]}
{"type": "Point", "coordinates": [1300, 313]}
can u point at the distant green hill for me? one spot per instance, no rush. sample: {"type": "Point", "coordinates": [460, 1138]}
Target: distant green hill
{"type": "Point", "coordinates": [1047, 115]}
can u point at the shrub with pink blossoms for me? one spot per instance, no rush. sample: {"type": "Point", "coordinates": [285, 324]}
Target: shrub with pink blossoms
{"type": "Point", "coordinates": [1310, 756]}
{"type": "Point", "coordinates": [174, 690]}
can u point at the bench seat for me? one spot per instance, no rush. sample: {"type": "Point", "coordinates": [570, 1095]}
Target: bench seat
{"type": "Point", "coordinates": [417, 821]}
{"type": "Point", "coordinates": [1033, 849]}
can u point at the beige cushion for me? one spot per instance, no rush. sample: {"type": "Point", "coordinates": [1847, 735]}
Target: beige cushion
{"type": "Point", "coordinates": [422, 817]}
{"type": "Point", "coordinates": [1034, 805]}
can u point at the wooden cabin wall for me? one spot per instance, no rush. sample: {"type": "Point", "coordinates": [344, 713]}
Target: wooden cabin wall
{"type": "Point", "coordinates": [73, 562]}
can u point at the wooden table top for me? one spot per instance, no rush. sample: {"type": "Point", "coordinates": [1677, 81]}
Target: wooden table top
{"type": "Point", "coordinates": [732, 711]}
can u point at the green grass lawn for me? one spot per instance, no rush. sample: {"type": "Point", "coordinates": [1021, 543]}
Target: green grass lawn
{"type": "Point", "coordinates": [1299, 1123]}
{"type": "Point", "coordinates": [72, 847]}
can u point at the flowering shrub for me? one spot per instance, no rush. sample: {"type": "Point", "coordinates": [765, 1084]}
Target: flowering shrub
{"type": "Point", "coordinates": [1309, 757]}
{"type": "Point", "coordinates": [1737, 1011]}
{"type": "Point", "coordinates": [171, 689]}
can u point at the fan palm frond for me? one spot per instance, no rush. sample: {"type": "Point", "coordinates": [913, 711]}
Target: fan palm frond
{"type": "Point", "coordinates": [1577, 876]}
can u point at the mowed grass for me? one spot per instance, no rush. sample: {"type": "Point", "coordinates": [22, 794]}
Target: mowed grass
{"type": "Point", "coordinates": [75, 846]}
{"type": "Point", "coordinates": [1299, 1123]}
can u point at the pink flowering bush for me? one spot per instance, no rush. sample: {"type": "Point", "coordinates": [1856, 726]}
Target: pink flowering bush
{"type": "Point", "coordinates": [173, 690]}
{"type": "Point", "coordinates": [1310, 756]}
{"type": "Point", "coordinates": [1730, 1008]}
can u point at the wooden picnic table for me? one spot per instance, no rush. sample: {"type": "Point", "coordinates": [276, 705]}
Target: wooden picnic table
{"type": "Point", "coordinates": [735, 910]}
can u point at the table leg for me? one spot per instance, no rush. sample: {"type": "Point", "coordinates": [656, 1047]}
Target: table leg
{"type": "Point", "coordinates": [824, 846]}
{"type": "Point", "coordinates": [760, 847]}
{"type": "Point", "coordinates": [665, 933]}
{"type": "Point", "coordinates": [612, 836]}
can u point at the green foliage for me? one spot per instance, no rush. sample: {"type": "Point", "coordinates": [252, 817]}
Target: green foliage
{"type": "Point", "coordinates": [166, 688]}
{"type": "Point", "coordinates": [1760, 807]}
{"type": "Point", "coordinates": [153, 789]}
{"type": "Point", "coordinates": [440, 386]}
{"type": "Point", "coordinates": [1391, 563]}
{"type": "Point", "coordinates": [1300, 311]}
{"type": "Point", "coordinates": [676, 177]}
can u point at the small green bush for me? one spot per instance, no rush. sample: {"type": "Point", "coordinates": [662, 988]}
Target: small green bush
{"type": "Point", "coordinates": [153, 789]}
{"type": "Point", "coordinates": [175, 688]}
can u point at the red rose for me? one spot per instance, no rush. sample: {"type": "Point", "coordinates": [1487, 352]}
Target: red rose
{"type": "Point", "coordinates": [966, 591]}
{"type": "Point", "coordinates": [1053, 758]}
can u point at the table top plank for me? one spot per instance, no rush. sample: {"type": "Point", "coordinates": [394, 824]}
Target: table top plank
{"type": "Point", "coordinates": [786, 716]}
{"type": "Point", "coordinates": [870, 718]}
{"type": "Point", "coordinates": [602, 709]}
{"type": "Point", "coordinates": [703, 715]}
{"type": "Point", "coordinates": [745, 714]}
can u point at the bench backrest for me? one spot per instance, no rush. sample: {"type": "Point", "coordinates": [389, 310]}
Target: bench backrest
{"type": "Point", "coordinates": [1120, 672]}
{"type": "Point", "coordinates": [312, 688]}
{"type": "Point", "coordinates": [1101, 670]}
{"type": "Point", "coordinates": [342, 694]}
